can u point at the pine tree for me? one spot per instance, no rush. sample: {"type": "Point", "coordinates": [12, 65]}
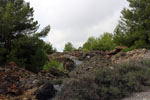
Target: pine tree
{"type": "Point", "coordinates": [22, 44]}
{"type": "Point", "coordinates": [133, 29]}
{"type": "Point", "coordinates": [16, 19]}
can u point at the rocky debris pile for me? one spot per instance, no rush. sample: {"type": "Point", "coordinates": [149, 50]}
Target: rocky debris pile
{"type": "Point", "coordinates": [96, 62]}
{"type": "Point", "coordinates": [134, 55]}
{"type": "Point", "coordinates": [80, 55]}
{"type": "Point", "coordinates": [18, 83]}
{"type": "Point", "coordinates": [70, 60]}
{"type": "Point", "coordinates": [11, 78]}
{"type": "Point", "coordinates": [60, 56]}
{"type": "Point", "coordinates": [108, 59]}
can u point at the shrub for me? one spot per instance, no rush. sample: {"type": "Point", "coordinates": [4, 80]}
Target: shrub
{"type": "Point", "coordinates": [122, 81]}
{"type": "Point", "coordinates": [28, 52]}
{"type": "Point", "coordinates": [108, 84]}
{"type": "Point", "coordinates": [53, 64]}
{"type": "Point", "coordinates": [145, 62]}
{"type": "Point", "coordinates": [79, 89]}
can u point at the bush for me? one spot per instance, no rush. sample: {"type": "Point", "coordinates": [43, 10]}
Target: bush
{"type": "Point", "coordinates": [108, 84]}
{"type": "Point", "coordinates": [122, 81]}
{"type": "Point", "coordinates": [53, 64]}
{"type": "Point", "coordinates": [28, 52]}
{"type": "Point", "coordinates": [79, 89]}
{"type": "Point", "coordinates": [104, 42]}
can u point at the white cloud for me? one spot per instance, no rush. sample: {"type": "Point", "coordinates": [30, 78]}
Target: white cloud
{"type": "Point", "coordinates": [75, 20]}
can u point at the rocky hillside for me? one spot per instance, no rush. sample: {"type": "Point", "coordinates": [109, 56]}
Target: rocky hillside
{"type": "Point", "coordinates": [19, 84]}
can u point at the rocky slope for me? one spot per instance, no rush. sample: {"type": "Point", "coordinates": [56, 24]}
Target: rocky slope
{"type": "Point", "coordinates": [19, 84]}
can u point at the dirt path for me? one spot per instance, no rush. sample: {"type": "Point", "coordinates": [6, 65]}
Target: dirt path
{"type": "Point", "coordinates": [139, 96]}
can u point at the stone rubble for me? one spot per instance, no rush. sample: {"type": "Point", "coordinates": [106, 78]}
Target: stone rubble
{"type": "Point", "coordinates": [19, 84]}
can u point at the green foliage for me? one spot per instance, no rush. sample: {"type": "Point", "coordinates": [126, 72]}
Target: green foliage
{"type": "Point", "coordinates": [108, 83]}
{"type": "Point", "coordinates": [16, 19]}
{"type": "Point", "coordinates": [43, 33]}
{"type": "Point", "coordinates": [128, 49]}
{"type": "Point", "coordinates": [104, 42]}
{"type": "Point", "coordinates": [28, 52]}
{"type": "Point", "coordinates": [18, 33]}
{"type": "Point", "coordinates": [133, 28]}
{"type": "Point", "coordinates": [68, 47]}
{"type": "Point", "coordinates": [89, 44]}
{"type": "Point", "coordinates": [53, 64]}
{"type": "Point", "coordinates": [122, 81]}
{"type": "Point", "coordinates": [49, 48]}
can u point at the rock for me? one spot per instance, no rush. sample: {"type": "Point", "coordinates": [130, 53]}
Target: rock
{"type": "Point", "coordinates": [13, 89]}
{"type": "Point", "coordinates": [77, 62]}
{"type": "Point", "coordinates": [55, 72]}
{"type": "Point", "coordinates": [46, 92]}
{"type": "Point", "coordinates": [68, 64]}
{"type": "Point", "coordinates": [116, 50]}
{"type": "Point", "coordinates": [58, 87]}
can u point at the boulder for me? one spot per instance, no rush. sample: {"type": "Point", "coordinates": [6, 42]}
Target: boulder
{"type": "Point", "coordinates": [116, 50]}
{"type": "Point", "coordinates": [46, 92]}
{"type": "Point", "coordinates": [68, 64]}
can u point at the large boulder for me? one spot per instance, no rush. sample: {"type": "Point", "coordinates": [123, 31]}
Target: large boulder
{"type": "Point", "coordinates": [46, 92]}
{"type": "Point", "coordinates": [68, 64]}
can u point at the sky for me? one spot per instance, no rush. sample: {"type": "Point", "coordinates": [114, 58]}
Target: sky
{"type": "Point", "coordinates": [76, 20]}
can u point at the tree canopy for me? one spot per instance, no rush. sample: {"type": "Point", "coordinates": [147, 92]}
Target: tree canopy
{"type": "Point", "coordinates": [133, 28]}
{"type": "Point", "coordinates": [104, 42]}
{"type": "Point", "coordinates": [18, 34]}
{"type": "Point", "coordinates": [68, 47]}
{"type": "Point", "coordinates": [16, 19]}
